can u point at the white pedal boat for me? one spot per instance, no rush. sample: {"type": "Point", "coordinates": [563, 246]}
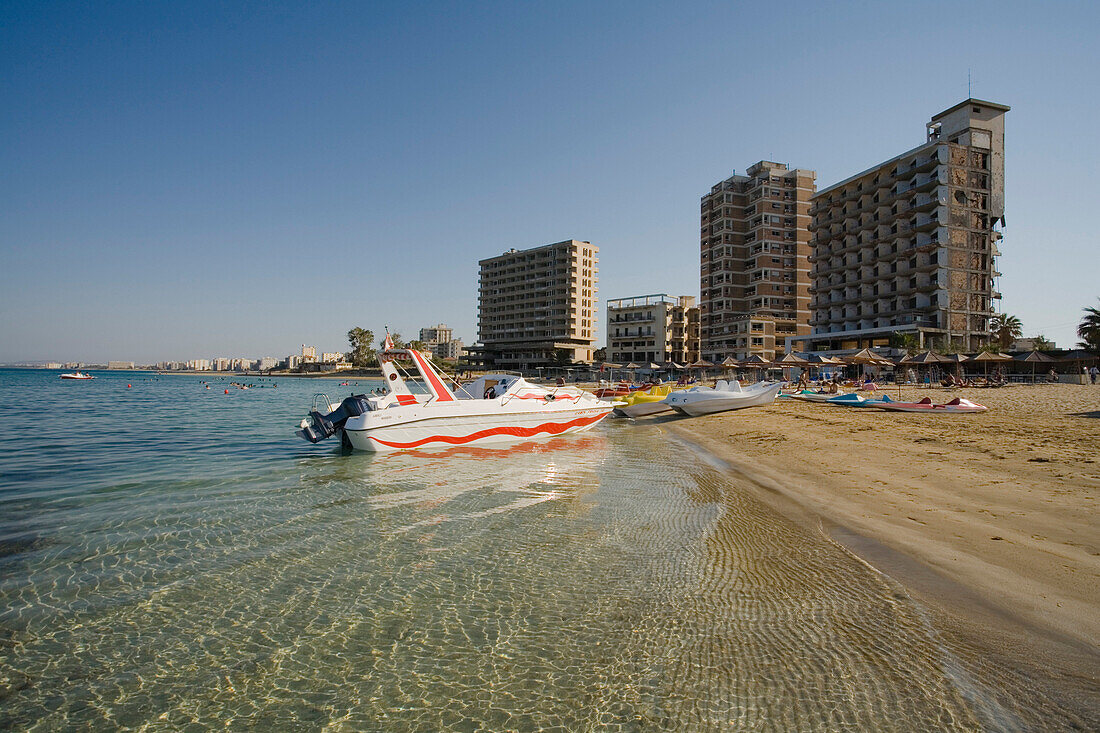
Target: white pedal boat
{"type": "Point", "coordinates": [724, 397]}
{"type": "Point", "coordinates": [495, 408]}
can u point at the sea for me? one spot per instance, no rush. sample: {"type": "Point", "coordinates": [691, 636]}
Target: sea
{"type": "Point", "coordinates": [174, 557]}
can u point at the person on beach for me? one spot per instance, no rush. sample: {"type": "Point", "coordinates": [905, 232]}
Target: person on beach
{"type": "Point", "coordinates": [1093, 373]}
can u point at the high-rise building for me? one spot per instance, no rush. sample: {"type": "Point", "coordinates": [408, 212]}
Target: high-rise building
{"type": "Point", "coordinates": [535, 303]}
{"type": "Point", "coordinates": [653, 328]}
{"type": "Point", "coordinates": [909, 245]}
{"type": "Point", "coordinates": [754, 267]}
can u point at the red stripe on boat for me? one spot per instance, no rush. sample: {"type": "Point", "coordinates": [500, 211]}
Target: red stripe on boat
{"type": "Point", "coordinates": [442, 394]}
{"type": "Point", "coordinates": [406, 399]}
{"type": "Point", "coordinates": [553, 428]}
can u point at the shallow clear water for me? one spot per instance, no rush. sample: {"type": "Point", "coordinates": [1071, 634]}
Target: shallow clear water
{"type": "Point", "coordinates": [175, 556]}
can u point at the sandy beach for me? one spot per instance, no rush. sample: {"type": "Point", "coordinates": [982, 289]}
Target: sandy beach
{"type": "Point", "coordinates": [993, 515]}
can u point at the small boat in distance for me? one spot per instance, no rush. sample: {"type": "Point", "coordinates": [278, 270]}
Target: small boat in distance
{"type": "Point", "coordinates": [77, 375]}
{"type": "Point", "coordinates": [724, 397]}
{"type": "Point", "coordinates": [494, 408]}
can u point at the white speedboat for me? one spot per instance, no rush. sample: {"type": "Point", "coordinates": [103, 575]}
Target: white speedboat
{"type": "Point", "coordinates": [723, 397]}
{"type": "Point", "coordinates": [494, 408]}
{"type": "Point", "coordinates": [77, 375]}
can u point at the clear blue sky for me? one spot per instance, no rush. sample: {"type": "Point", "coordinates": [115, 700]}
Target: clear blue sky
{"type": "Point", "coordinates": [184, 180]}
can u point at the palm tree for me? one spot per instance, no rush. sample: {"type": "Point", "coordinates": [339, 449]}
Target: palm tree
{"type": "Point", "coordinates": [1006, 329]}
{"type": "Point", "coordinates": [1089, 329]}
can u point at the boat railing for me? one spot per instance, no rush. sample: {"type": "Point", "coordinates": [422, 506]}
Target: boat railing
{"type": "Point", "coordinates": [326, 403]}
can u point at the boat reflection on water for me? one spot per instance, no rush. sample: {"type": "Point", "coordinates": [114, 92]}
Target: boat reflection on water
{"type": "Point", "coordinates": [460, 483]}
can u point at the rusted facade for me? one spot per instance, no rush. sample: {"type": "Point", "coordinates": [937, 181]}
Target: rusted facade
{"type": "Point", "coordinates": [910, 245]}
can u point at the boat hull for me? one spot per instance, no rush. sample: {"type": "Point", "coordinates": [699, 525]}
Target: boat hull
{"type": "Point", "coordinates": [709, 402]}
{"type": "Point", "coordinates": [815, 397]}
{"type": "Point", "coordinates": [466, 423]}
{"type": "Point", "coordinates": [936, 409]}
{"type": "Point", "coordinates": [642, 409]}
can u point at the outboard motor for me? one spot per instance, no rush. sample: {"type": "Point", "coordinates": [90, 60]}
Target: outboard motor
{"type": "Point", "coordinates": [323, 426]}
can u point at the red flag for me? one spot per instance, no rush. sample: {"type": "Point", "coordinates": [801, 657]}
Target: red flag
{"type": "Point", "coordinates": [388, 344]}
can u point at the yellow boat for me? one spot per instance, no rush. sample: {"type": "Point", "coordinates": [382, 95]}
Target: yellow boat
{"type": "Point", "coordinates": [645, 401]}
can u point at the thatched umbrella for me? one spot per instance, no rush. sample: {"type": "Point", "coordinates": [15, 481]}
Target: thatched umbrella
{"type": "Point", "coordinates": [988, 357]}
{"type": "Point", "coordinates": [756, 362]}
{"type": "Point", "coordinates": [701, 364]}
{"type": "Point", "coordinates": [633, 368]}
{"type": "Point", "coordinates": [958, 359]}
{"type": "Point", "coordinates": [1033, 358]}
{"type": "Point", "coordinates": [1079, 357]}
{"type": "Point", "coordinates": [866, 357]}
{"type": "Point", "coordinates": [819, 360]}
{"type": "Point", "coordinates": [729, 364]}
{"type": "Point", "coordinates": [927, 359]}
{"type": "Point", "coordinates": [787, 361]}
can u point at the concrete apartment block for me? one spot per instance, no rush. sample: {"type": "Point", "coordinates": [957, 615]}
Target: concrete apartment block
{"type": "Point", "coordinates": [653, 328]}
{"type": "Point", "coordinates": [910, 245]}
{"type": "Point", "coordinates": [754, 262]}
{"type": "Point", "coordinates": [536, 302]}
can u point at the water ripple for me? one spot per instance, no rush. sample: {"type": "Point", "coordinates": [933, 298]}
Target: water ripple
{"type": "Point", "coordinates": [207, 571]}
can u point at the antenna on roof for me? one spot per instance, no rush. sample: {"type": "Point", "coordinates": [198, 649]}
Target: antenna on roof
{"type": "Point", "coordinates": [969, 95]}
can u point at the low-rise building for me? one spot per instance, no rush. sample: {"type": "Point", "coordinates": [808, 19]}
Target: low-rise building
{"type": "Point", "coordinates": [1033, 343]}
{"type": "Point", "coordinates": [452, 349]}
{"type": "Point", "coordinates": [436, 335]}
{"type": "Point", "coordinates": [653, 328]}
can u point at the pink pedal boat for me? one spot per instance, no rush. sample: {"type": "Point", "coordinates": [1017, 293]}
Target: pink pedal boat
{"type": "Point", "coordinates": [957, 405]}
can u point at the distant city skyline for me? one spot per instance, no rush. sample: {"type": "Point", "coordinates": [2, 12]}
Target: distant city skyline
{"type": "Point", "coordinates": [205, 180]}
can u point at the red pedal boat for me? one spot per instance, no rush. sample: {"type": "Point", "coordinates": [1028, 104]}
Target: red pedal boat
{"type": "Point", "coordinates": [957, 405]}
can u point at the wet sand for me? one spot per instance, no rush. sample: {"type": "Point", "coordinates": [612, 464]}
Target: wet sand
{"type": "Point", "coordinates": [993, 516]}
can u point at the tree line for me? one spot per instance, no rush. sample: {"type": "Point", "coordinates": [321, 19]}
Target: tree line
{"type": "Point", "coordinates": [363, 348]}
